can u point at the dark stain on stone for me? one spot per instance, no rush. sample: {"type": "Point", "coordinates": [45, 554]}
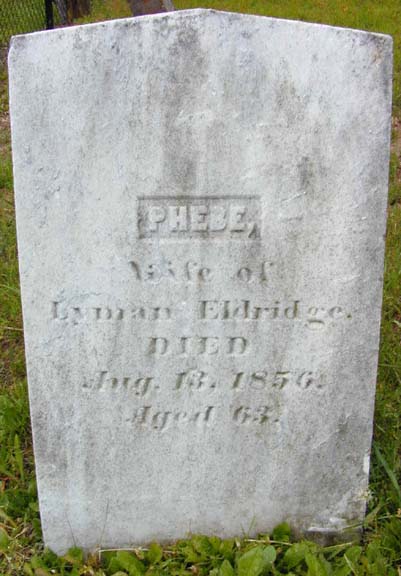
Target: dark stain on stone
{"type": "Point", "coordinates": [306, 175]}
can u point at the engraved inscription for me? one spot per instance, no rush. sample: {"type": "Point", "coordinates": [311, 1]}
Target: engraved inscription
{"type": "Point", "coordinates": [160, 420]}
{"type": "Point", "coordinates": [314, 317]}
{"type": "Point", "coordinates": [258, 415]}
{"type": "Point", "coordinates": [261, 407]}
{"type": "Point", "coordinates": [149, 417]}
{"type": "Point", "coordinates": [195, 379]}
{"type": "Point", "coordinates": [193, 272]}
{"type": "Point", "coordinates": [63, 312]}
{"type": "Point", "coordinates": [139, 386]}
{"type": "Point", "coordinates": [182, 217]}
{"type": "Point", "coordinates": [189, 272]}
{"type": "Point", "coordinates": [199, 376]}
{"type": "Point", "coordinates": [261, 379]}
{"type": "Point", "coordinates": [198, 345]}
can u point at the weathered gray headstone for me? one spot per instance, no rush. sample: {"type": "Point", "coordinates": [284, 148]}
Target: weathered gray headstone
{"type": "Point", "coordinates": [201, 202]}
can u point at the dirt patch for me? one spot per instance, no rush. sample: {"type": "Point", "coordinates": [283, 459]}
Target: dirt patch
{"type": "Point", "coordinates": [4, 121]}
{"type": "Point", "coordinates": [4, 115]}
{"type": "Point", "coordinates": [396, 145]}
{"type": "Point", "coordinates": [5, 137]}
{"type": "Point", "coordinates": [3, 55]}
{"type": "Point", "coordinates": [396, 141]}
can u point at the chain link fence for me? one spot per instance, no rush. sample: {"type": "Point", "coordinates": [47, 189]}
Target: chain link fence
{"type": "Point", "coordinates": [21, 16]}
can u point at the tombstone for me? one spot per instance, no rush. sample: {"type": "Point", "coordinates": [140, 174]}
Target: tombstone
{"type": "Point", "coordinates": [201, 206]}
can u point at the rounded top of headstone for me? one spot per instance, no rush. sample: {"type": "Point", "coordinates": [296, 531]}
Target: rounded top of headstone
{"type": "Point", "coordinates": [196, 14]}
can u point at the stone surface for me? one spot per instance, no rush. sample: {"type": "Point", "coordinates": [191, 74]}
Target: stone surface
{"type": "Point", "coordinates": [201, 202]}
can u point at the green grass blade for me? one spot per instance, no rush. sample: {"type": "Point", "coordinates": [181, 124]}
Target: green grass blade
{"type": "Point", "coordinates": [389, 471]}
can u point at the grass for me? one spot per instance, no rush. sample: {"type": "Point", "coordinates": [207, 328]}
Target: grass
{"type": "Point", "coordinates": [107, 10]}
{"type": "Point", "coordinates": [21, 549]}
{"type": "Point", "coordinates": [20, 16]}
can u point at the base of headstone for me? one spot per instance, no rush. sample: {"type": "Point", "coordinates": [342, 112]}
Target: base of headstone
{"type": "Point", "coordinates": [324, 537]}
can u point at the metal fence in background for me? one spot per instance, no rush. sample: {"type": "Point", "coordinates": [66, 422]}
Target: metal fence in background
{"type": "Point", "coordinates": [21, 16]}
